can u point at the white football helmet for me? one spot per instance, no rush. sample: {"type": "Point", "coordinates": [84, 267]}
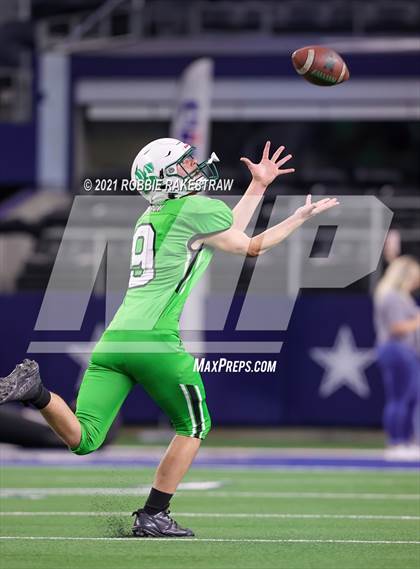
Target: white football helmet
{"type": "Point", "coordinates": [157, 162]}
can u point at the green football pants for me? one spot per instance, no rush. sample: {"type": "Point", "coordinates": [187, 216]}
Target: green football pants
{"type": "Point", "coordinates": [158, 362]}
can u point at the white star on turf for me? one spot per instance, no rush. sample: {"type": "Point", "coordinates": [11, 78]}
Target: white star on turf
{"type": "Point", "coordinates": [344, 365]}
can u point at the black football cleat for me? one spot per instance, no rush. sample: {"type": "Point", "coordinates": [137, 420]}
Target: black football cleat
{"type": "Point", "coordinates": [158, 525]}
{"type": "Point", "coordinates": [22, 384]}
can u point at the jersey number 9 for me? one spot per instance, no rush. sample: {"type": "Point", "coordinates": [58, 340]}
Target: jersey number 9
{"type": "Point", "coordinates": [142, 256]}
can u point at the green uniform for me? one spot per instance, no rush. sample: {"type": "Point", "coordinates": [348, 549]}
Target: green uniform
{"type": "Point", "coordinates": [142, 343]}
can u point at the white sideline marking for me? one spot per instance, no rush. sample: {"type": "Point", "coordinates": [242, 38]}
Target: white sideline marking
{"type": "Point", "coordinates": [230, 515]}
{"type": "Point", "coordinates": [139, 491]}
{"type": "Point", "coordinates": [191, 486]}
{"type": "Point", "coordinates": [218, 540]}
{"type": "Point", "coordinates": [321, 495]}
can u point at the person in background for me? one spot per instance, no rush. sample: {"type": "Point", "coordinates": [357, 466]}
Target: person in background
{"type": "Point", "coordinates": [392, 246]}
{"type": "Point", "coordinates": [397, 322]}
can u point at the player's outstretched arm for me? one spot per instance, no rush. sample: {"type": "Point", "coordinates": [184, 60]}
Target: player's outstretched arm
{"type": "Point", "coordinates": [263, 173]}
{"type": "Point", "coordinates": [275, 235]}
{"type": "Point", "coordinates": [236, 241]}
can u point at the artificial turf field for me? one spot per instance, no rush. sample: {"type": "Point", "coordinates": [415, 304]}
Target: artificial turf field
{"type": "Point", "coordinates": [256, 518]}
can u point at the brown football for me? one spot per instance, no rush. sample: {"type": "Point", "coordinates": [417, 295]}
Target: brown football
{"type": "Point", "coordinates": [320, 65]}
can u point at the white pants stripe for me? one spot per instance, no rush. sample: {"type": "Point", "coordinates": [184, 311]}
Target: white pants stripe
{"type": "Point", "coordinates": [190, 408]}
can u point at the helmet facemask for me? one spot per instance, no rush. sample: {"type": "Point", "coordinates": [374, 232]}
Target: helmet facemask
{"type": "Point", "coordinates": [206, 169]}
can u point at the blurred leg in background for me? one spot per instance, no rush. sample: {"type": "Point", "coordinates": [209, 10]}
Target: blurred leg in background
{"type": "Point", "coordinates": [400, 371]}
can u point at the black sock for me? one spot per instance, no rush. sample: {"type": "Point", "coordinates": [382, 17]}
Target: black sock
{"type": "Point", "coordinates": [157, 502]}
{"type": "Point", "coordinates": [40, 399]}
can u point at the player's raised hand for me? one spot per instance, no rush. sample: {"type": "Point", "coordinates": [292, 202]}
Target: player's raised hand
{"type": "Point", "coordinates": [268, 168]}
{"type": "Point", "coordinates": [311, 209]}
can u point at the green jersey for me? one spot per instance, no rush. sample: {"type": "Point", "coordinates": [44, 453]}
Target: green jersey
{"type": "Point", "coordinates": [164, 267]}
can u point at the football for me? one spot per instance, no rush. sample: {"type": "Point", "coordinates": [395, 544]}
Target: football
{"type": "Point", "coordinates": [320, 65]}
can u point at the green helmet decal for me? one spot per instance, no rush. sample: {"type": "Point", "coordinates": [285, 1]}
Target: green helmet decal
{"type": "Point", "coordinates": [147, 173]}
{"type": "Point", "coordinates": [147, 176]}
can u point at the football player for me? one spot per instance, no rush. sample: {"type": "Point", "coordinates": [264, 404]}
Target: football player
{"type": "Point", "coordinates": [173, 243]}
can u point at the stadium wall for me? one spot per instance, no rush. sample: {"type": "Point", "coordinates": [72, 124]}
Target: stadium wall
{"type": "Point", "coordinates": [300, 392]}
